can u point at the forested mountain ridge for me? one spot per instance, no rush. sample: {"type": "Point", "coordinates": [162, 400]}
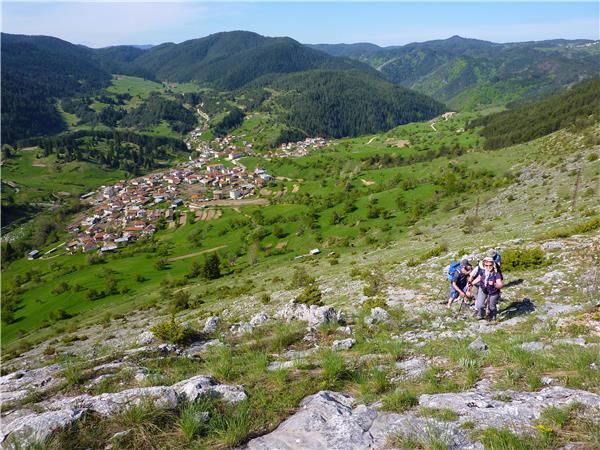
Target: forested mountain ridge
{"type": "Point", "coordinates": [230, 60]}
{"type": "Point", "coordinates": [469, 73]}
{"type": "Point", "coordinates": [223, 61]}
{"type": "Point", "coordinates": [36, 69]}
{"type": "Point", "coordinates": [578, 106]}
{"type": "Point", "coordinates": [336, 104]}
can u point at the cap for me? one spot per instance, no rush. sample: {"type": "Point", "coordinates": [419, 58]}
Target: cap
{"type": "Point", "coordinates": [464, 262]}
{"type": "Point", "coordinates": [491, 253]}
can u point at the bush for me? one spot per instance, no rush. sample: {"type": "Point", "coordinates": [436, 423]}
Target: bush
{"type": "Point", "coordinates": [311, 295]}
{"type": "Point", "coordinates": [523, 259]}
{"type": "Point", "coordinates": [265, 298]}
{"type": "Point", "coordinates": [60, 314]}
{"type": "Point", "coordinates": [212, 267]}
{"type": "Point", "coordinates": [171, 331]}
{"type": "Point", "coordinates": [375, 282]}
{"type": "Point", "coordinates": [585, 227]}
{"type": "Point", "coordinates": [301, 278]}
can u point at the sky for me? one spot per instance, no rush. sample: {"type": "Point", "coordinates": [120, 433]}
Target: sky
{"type": "Point", "coordinates": [100, 24]}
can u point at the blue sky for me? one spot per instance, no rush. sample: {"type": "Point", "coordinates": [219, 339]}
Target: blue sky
{"type": "Point", "coordinates": [98, 24]}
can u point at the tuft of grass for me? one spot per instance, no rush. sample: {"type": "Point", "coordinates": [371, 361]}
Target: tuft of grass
{"type": "Point", "coordinates": [193, 418]}
{"type": "Point", "coordinates": [334, 367]}
{"type": "Point", "coordinates": [444, 414]}
{"type": "Point", "coordinates": [400, 400]}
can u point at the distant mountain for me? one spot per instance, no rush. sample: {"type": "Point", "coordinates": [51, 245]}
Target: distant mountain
{"type": "Point", "coordinates": [468, 73]}
{"type": "Point", "coordinates": [35, 70]}
{"type": "Point", "coordinates": [53, 69]}
{"type": "Point", "coordinates": [578, 106]}
{"type": "Point", "coordinates": [351, 103]}
{"type": "Point", "coordinates": [230, 60]}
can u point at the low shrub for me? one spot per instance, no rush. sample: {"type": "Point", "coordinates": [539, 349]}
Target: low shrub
{"type": "Point", "coordinates": [523, 259]}
{"type": "Point", "coordinates": [301, 278]}
{"type": "Point", "coordinates": [311, 295]}
{"type": "Point", "coordinates": [171, 331]}
{"type": "Point", "coordinates": [564, 232]}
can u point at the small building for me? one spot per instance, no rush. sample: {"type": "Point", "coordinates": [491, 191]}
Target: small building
{"type": "Point", "coordinates": [218, 195]}
{"type": "Point", "coordinates": [315, 251]}
{"type": "Point", "coordinates": [34, 254]}
{"type": "Point", "coordinates": [235, 194]}
{"type": "Point", "coordinates": [108, 247]}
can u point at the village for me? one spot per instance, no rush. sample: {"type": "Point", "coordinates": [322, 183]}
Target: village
{"type": "Point", "coordinates": [130, 209]}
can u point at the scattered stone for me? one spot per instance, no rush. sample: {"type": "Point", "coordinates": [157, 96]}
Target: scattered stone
{"type": "Point", "coordinates": [478, 345]}
{"type": "Point", "coordinates": [198, 348]}
{"type": "Point", "coordinates": [534, 346]}
{"type": "Point", "coordinates": [259, 319]}
{"type": "Point", "coordinates": [571, 341]}
{"type": "Point", "coordinates": [346, 330]}
{"type": "Point", "coordinates": [34, 427]}
{"type": "Point", "coordinates": [313, 314]}
{"type": "Point", "coordinates": [146, 338]}
{"type": "Point", "coordinates": [553, 277]}
{"type": "Point", "coordinates": [241, 328]}
{"type": "Point", "coordinates": [298, 354]}
{"type": "Point", "coordinates": [211, 324]}
{"type": "Point", "coordinates": [378, 315]}
{"type": "Point", "coordinates": [344, 344]}
{"type": "Point", "coordinates": [412, 367]}
{"type": "Point", "coordinates": [278, 365]}
{"type": "Point", "coordinates": [547, 381]}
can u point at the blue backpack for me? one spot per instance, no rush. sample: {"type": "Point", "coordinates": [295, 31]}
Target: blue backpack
{"type": "Point", "coordinates": [452, 268]}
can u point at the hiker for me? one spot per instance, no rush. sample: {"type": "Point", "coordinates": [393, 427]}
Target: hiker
{"type": "Point", "coordinates": [472, 286]}
{"type": "Point", "coordinates": [490, 282]}
{"type": "Point", "coordinates": [495, 255]}
{"type": "Point", "coordinates": [460, 278]}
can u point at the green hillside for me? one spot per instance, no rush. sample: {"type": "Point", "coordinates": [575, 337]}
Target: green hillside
{"type": "Point", "coordinates": [470, 73]}
{"type": "Point", "coordinates": [578, 106]}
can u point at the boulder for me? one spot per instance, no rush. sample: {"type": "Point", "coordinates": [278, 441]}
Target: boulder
{"type": "Point", "coordinates": [412, 367]}
{"type": "Point", "coordinates": [202, 386]}
{"type": "Point", "coordinates": [210, 326]}
{"type": "Point", "coordinates": [198, 348]}
{"type": "Point", "coordinates": [146, 338]}
{"type": "Point", "coordinates": [378, 315]}
{"type": "Point", "coordinates": [241, 328]}
{"type": "Point", "coordinates": [30, 427]}
{"type": "Point", "coordinates": [534, 346]}
{"type": "Point", "coordinates": [259, 319]}
{"type": "Point", "coordinates": [35, 428]}
{"type": "Point", "coordinates": [325, 421]}
{"type": "Point", "coordinates": [17, 385]}
{"type": "Point", "coordinates": [313, 314]}
{"type": "Point", "coordinates": [344, 344]}
{"type": "Point", "coordinates": [278, 365]}
{"type": "Point", "coordinates": [478, 345]}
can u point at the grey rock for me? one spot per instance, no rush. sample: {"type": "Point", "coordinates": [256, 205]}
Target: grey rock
{"type": "Point", "coordinates": [211, 324]}
{"type": "Point", "coordinates": [379, 314]}
{"type": "Point", "coordinates": [326, 421]}
{"type": "Point", "coordinates": [553, 277]}
{"type": "Point", "coordinates": [241, 328]}
{"type": "Point", "coordinates": [534, 346]}
{"type": "Point", "coordinates": [346, 330]}
{"type": "Point", "coordinates": [478, 345]}
{"type": "Point", "coordinates": [278, 365]}
{"type": "Point", "coordinates": [297, 354]}
{"type": "Point", "coordinates": [121, 435]}
{"type": "Point", "coordinates": [198, 348]}
{"type": "Point", "coordinates": [344, 344]}
{"type": "Point", "coordinates": [571, 341]}
{"type": "Point", "coordinates": [146, 338]}
{"type": "Point", "coordinates": [17, 385]}
{"type": "Point", "coordinates": [413, 367]}
{"type": "Point", "coordinates": [36, 428]}
{"type": "Point", "coordinates": [313, 314]}
{"type": "Point", "coordinates": [259, 319]}
{"type": "Point", "coordinates": [202, 386]}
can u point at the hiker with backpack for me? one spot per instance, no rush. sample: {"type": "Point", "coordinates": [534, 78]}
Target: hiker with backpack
{"type": "Point", "coordinates": [458, 275]}
{"type": "Point", "coordinates": [491, 281]}
{"type": "Point", "coordinates": [472, 286]}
